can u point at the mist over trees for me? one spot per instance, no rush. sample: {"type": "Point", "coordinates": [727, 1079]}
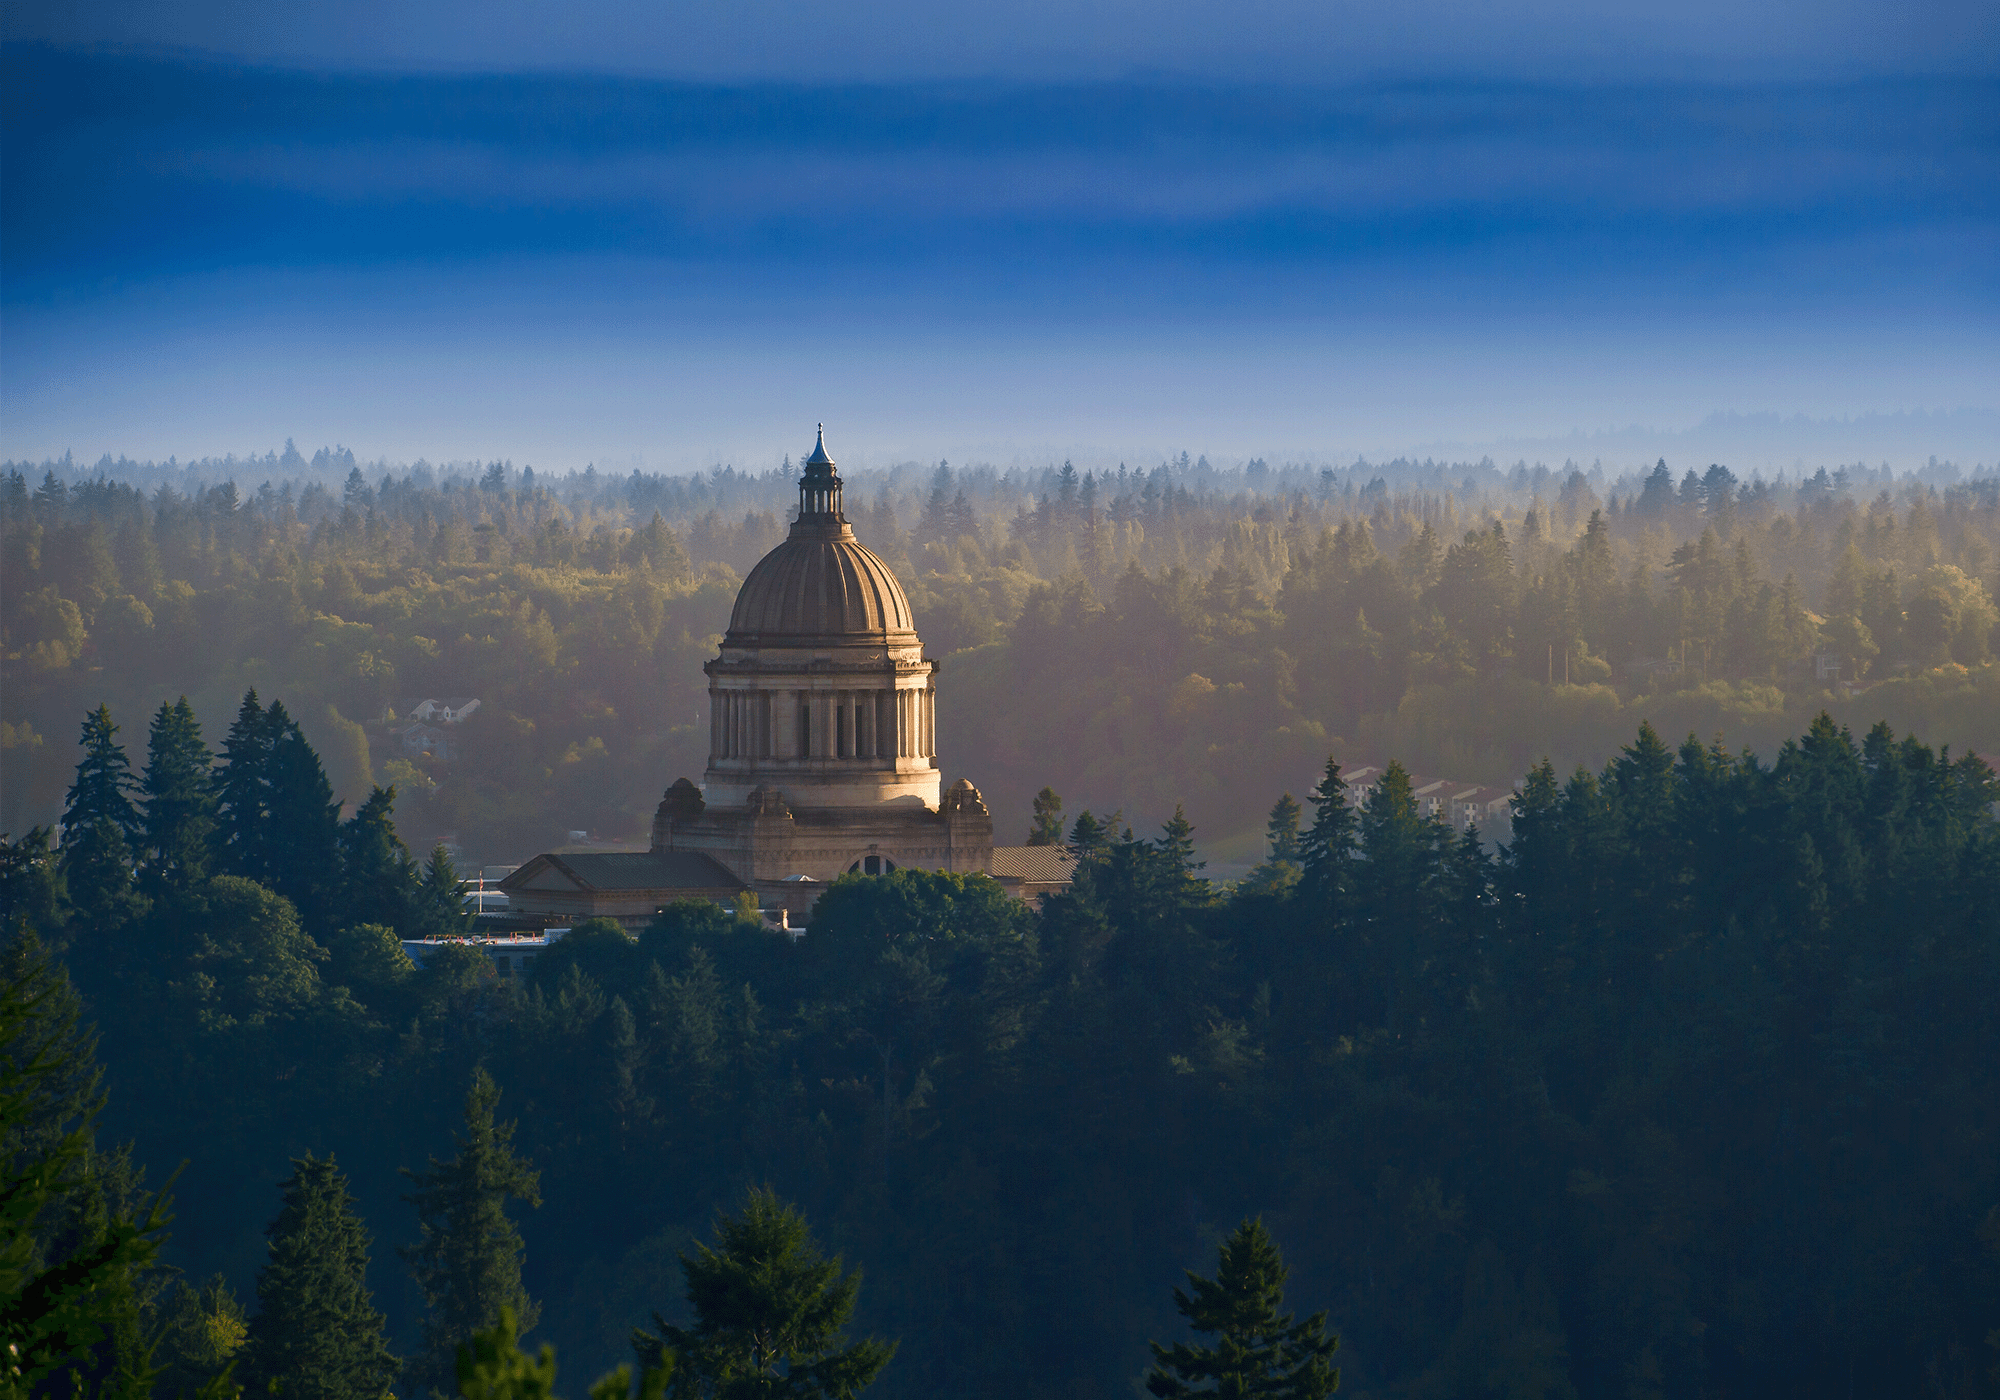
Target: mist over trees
{"type": "Point", "coordinates": [1179, 632]}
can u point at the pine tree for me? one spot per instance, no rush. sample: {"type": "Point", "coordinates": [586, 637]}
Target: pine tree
{"type": "Point", "coordinates": [1282, 831]}
{"type": "Point", "coordinates": [180, 802]}
{"type": "Point", "coordinates": [1048, 825]}
{"type": "Point", "coordinates": [770, 1312]}
{"type": "Point", "coordinates": [317, 1335]}
{"type": "Point", "coordinates": [438, 905]}
{"type": "Point", "coordinates": [75, 1257]}
{"type": "Point", "coordinates": [30, 883]}
{"type": "Point", "coordinates": [201, 1336]}
{"type": "Point", "coordinates": [467, 1259]}
{"type": "Point", "coordinates": [1326, 850]}
{"type": "Point", "coordinates": [302, 846]}
{"type": "Point", "coordinates": [378, 877]}
{"type": "Point", "coordinates": [1258, 1351]}
{"type": "Point", "coordinates": [1176, 863]}
{"type": "Point", "coordinates": [100, 827]}
{"type": "Point", "coordinates": [242, 792]}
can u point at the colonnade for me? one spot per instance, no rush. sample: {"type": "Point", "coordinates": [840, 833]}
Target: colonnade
{"type": "Point", "coordinates": [868, 724]}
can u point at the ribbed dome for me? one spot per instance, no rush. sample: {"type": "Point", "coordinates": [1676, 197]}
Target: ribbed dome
{"type": "Point", "coordinates": [822, 583]}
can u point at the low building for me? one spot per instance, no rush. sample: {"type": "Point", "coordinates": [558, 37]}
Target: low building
{"type": "Point", "coordinates": [1032, 873]}
{"type": "Point", "coordinates": [629, 886]}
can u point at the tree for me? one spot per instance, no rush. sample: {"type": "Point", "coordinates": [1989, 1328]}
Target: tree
{"type": "Point", "coordinates": [100, 826]}
{"type": "Point", "coordinates": [467, 1259]}
{"type": "Point", "coordinates": [317, 1334]}
{"type": "Point", "coordinates": [180, 801]}
{"type": "Point", "coordinates": [69, 1296]}
{"type": "Point", "coordinates": [1282, 830]}
{"type": "Point", "coordinates": [492, 1366]}
{"type": "Point", "coordinates": [302, 846]}
{"type": "Point", "coordinates": [200, 1338]}
{"type": "Point", "coordinates": [438, 906]}
{"type": "Point", "coordinates": [1047, 828]}
{"type": "Point", "coordinates": [769, 1315]}
{"type": "Point", "coordinates": [1326, 850]}
{"type": "Point", "coordinates": [378, 877]}
{"type": "Point", "coordinates": [1258, 1350]}
{"type": "Point", "coordinates": [242, 784]}
{"type": "Point", "coordinates": [30, 882]}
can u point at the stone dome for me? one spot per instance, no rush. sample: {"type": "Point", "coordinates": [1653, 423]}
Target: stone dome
{"type": "Point", "coordinates": [818, 584]}
{"type": "Point", "coordinates": [821, 584]}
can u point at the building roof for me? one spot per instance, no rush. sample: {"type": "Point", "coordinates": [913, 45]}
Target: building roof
{"type": "Point", "coordinates": [623, 870]}
{"type": "Point", "coordinates": [1035, 865]}
{"type": "Point", "coordinates": [820, 583]}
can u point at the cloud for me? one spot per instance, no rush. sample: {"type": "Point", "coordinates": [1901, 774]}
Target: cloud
{"type": "Point", "coordinates": [894, 40]}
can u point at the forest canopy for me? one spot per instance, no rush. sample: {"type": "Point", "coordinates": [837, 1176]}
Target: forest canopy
{"type": "Point", "coordinates": [1184, 632]}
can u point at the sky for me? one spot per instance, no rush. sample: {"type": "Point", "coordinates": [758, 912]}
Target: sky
{"type": "Point", "coordinates": [668, 235]}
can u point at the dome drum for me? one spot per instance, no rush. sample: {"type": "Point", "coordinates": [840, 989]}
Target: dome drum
{"type": "Point", "coordinates": [821, 689]}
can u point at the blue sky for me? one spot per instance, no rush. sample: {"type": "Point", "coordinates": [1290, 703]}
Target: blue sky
{"type": "Point", "coordinates": [664, 236]}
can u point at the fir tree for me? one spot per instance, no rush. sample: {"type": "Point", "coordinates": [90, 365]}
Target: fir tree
{"type": "Point", "coordinates": [1176, 864]}
{"type": "Point", "coordinates": [438, 905]}
{"type": "Point", "coordinates": [201, 1336]}
{"type": "Point", "coordinates": [1282, 830]}
{"type": "Point", "coordinates": [242, 792]}
{"type": "Point", "coordinates": [1048, 825]}
{"type": "Point", "coordinates": [1326, 850]}
{"type": "Point", "coordinates": [30, 883]}
{"type": "Point", "coordinates": [769, 1315]}
{"type": "Point", "coordinates": [467, 1259]}
{"type": "Point", "coordinates": [378, 877]}
{"type": "Point", "coordinates": [1258, 1351]}
{"type": "Point", "coordinates": [76, 1250]}
{"type": "Point", "coordinates": [180, 802]}
{"type": "Point", "coordinates": [317, 1335]}
{"type": "Point", "coordinates": [302, 846]}
{"type": "Point", "coordinates": [100, 826]}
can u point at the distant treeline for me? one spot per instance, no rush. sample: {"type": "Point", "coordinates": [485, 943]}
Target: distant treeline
{"type": "Point", "coordinates": [1184, 631]}
{"type": "Point", "coordinates": [1687, 1092]}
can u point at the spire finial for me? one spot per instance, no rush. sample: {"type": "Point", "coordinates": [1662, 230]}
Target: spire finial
{"type": "Point", "coordinates": [819, 457]}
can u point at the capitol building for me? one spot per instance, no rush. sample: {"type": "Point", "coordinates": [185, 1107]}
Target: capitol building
{"type": "Point", "coordinates": [822, 757]}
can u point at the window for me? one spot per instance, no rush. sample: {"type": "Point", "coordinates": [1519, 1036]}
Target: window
{"type": "Point", "coordinates": [872, 865]}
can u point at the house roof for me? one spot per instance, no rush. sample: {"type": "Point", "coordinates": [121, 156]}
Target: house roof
{"type": "Point", "coordinates": [624, 870]}
{"type": "Point", "coordinates": [1037, 865]}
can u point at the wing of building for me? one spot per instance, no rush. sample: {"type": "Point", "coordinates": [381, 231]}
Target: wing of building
{"type": "Point", "coordinates": [822, 748]}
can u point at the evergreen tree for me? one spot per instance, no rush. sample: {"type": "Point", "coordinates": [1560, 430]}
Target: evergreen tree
{"type": "Point", "coordinates": [1048, 824]}
{"type": "Point", "coordinates": [100, 827]}
{"type": "Point", "coordinates": [1258, 1350]}
{"type": "Point", "coordinates": [769, 1315]}
{"type": "Point", "coordinates": [438, 904]}
{"type": "Point", "coordinates": [1175, 864]}
{"type": "Point", "coordinates": [76, 1251]}
{"type": "Point", "coordinates": [467, 1259]}
{"type": "Point", "coordinates": [317, 1335]}
{"type": "Point", "coordinates": [1326, 850]}
{"type": "Point", "coordinates": [1282, 830]}
{"type": "Point", "coordinates": [242, 792]}
{"type": "Point", "coordinates": [30, 883]}
{"type": "Point", "coordinates": [492, 1366]}
{"type": "Point", "coordinates": [378, 877]}
{"type": "Point", "coordinates": [302, 843]}
{"type": "Point", "coordinates": [201, 1336]}
{"type": "Point", "coordinates": [180, 802]}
